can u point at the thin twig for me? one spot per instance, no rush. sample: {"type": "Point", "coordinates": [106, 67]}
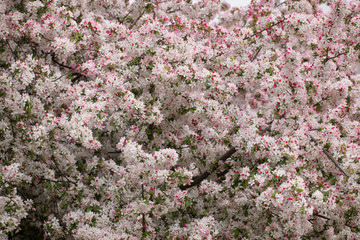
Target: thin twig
{"type": "Point", "coordinates": [327, 218]}
{"type": "Point", "coordinates": [329, 58]}
{"type": "Point", "coordinates": [141, 14]}
{"type": "Point", "coordinates": [55, 181]}
{"type": "Point", "coordinates": [121, 21]}
{"type": "Point", "coordinates": [59, 78]}
{"type": "Point", "coordinates": [60, 64]}
{"type": "Point", "coordinates": [315, 129]}
{"type": "Point", "coordinates": [62, 173]}
{"type": "Point", "coordinates": [77, 75]}
{"type": "Point", "coordinates": [113, 152]}
{"type": "Point", "coordinates": [280, 4]}
{"type": "Point", "coordinates": [334, 161]}
{"type": "Point", "coordinates": [258, 32]}
{"type": "Point", "coordinates": [256, 54]}
{"type": "Point", "coordinates": [330, 157]}
{"type": "Point", "coordinates": [274, 214]}
{"type": "Point", "coordinates": [12, 51]}
{"type": "Point", "coordinates": [321, 216]}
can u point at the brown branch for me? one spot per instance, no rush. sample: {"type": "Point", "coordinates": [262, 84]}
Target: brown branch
{"type": "Point", "coordinates": [268, 128]}
{"type": "Point", "coordinates": [348, 225]}
{"type": "Point", "coordinates": [327, 218]}
{"type": "Point", "coordinates": [60, 64]}
{"type": "Point", "coordinates": [11, 50]}
{"type": "Point", "coordinates": [329, 58]}
{"type": "Point", "coordinates": [121, 21]}
{"type": "Point", "coordinates": [114, 152]}
{"type": "Point", "coordinates": [224, 172]}
{"type": "Point", "coordinates": [334, 161]}
{"type": "Point", "coordinates": [330, 157]}
{"type": "Point", "coordinates": [272, 213]}
{"type": "Point", "coordinates": [143, 214]}
{"type": "Point", "coordinates": [279, 4]}
{"type": "Point", "coordinates": [258, 32]}
{"type": "Point", "coordinates": [63, 174]}
{"type": "Point", "coordinates": [55, 181]}
{"type": "Point", "coordinates": [315, 129]}
{"type": "Point", "coordinates": [198, 179]}
{"type": "Point", "coordinates": [141, 14]}
{"type": "Point", "coordinates": [321, 216]}
{"type": "Point", "coordinates": [256, 54]}
{"type": "Point", "coordinates": [78, 76]}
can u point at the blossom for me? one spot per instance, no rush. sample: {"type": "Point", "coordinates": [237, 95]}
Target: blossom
{"type": "Point", "coordinates": [179, 120]}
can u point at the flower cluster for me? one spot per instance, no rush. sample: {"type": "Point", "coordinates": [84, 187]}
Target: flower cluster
{"type": "Point", "coordinates": [179, 119]}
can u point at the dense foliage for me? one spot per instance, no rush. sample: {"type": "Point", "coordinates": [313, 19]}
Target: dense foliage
{"type": "Point", "coordinates": [168, 119]}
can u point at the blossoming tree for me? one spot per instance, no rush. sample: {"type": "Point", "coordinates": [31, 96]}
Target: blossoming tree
{"type": "Point", "coordinates": [168, 119]}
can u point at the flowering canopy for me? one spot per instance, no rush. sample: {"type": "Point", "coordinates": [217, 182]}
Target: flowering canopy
{"type": "Point", "coordinates": [167, 119]}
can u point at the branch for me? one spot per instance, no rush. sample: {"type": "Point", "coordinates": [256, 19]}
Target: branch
{"type": "Point", "coordinates": [256, 54]}
{"type": "Point", "coordinates": [315, 129]}
{"type": "Point", "coordinates": [334, 161]}
{"type": "Point", "coordinates": [329, 58]}
{"type": "Point", "coordinates": [330, 157]}
{"type": "Point", "coordinates": [78, 76]}
{"type": "Point", "coordinates": [198, 179]}
{"type": "Point", "coordinates": [143, 214]}
{"type": "Point", "coordinates": [258, 32]}
{"type": "Point", "coordinates": [114, 152]}
{"type": "Point", "coordinates": [121, 21]}
{"type": "Point", "coordinates": [55, 181]}
{"type": "Point", "coordinates": [280, 4]}
{"type": "Point", "coordinates": [132, 25]}
{"type": "Point", "coordinates": [268, 128]}
{"type": "Point", "coordinates": [63, 174]}
{"type": "Point", "coordinates": [60, 64]}
{"type": "Point", "coordinates": [327, 218]}
{"type": "Point", "coordinates": [321, 216]}
{"type": "Point", "coordinates": [12, 51]}
{"type": "Point", "coordinates": [223, 173]}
